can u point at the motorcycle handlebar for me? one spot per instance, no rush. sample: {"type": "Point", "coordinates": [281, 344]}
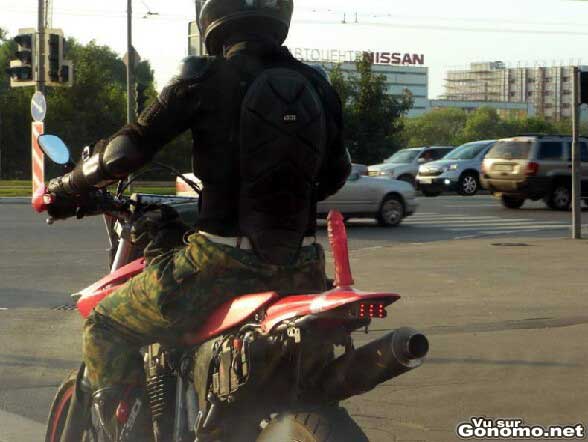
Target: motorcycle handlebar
{"type": "Point", "coordinates": [96, 203]}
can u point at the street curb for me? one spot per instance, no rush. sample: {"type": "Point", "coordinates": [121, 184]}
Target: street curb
{"type": "Point", "coordinates": [15, 428]}
{"type": "Point", "coordinates": [15, 200]}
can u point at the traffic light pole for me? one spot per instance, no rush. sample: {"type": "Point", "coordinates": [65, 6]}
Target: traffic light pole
{"type": "Point", "coordinates": [576, 166]}
{"type": "Point", "coordinates": [130, 65]}
{"type": "Point", "coordinates": [40, 87]}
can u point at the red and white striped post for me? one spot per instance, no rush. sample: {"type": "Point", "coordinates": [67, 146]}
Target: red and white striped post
{"type": "Point", "coordinates": [38, 157]}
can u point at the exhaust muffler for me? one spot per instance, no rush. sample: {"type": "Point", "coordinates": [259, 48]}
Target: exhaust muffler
{"type": "Point", "coordinates": [364, 368]}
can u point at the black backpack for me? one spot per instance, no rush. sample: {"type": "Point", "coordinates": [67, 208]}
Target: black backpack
{"type": "Point", "coordinates": [282, 144]}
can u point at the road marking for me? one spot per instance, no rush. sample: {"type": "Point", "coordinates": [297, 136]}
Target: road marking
{"type": "Point", "coordinates": [471, 226]}
{"type": "Point", "coordinates": [481, 221]}
{"type": "Point", "coordinates": [489, 224]}
{"type": "Point", "coordinates": [518, 228]}
{"type": "Point", "coordinates": [472, 205]}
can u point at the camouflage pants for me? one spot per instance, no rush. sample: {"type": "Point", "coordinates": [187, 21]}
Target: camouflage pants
{"type": "Point", "coordinates": [174, 294]}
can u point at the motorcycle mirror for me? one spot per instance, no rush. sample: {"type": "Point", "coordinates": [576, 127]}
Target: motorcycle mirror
{"type": "Point", "coordinates": [54, 148]}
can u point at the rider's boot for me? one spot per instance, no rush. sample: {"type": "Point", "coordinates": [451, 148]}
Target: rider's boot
{"type": "Point", "coordinates": [121, 415]}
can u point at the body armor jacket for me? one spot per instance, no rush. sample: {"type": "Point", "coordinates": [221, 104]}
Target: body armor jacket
{"type": "Point", "coordinates": [207, 98]}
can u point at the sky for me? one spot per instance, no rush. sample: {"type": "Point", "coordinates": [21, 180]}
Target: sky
{"type": "Point", "coordinates": [450, 33]}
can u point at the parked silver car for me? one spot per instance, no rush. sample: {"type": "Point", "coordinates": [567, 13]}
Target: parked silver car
{"type": "Point", "coordinates": [458, 171]}
{"type": "Point", "coordinates": [404, 164]}
{"type": "Point", "coordinates": [388, 201]}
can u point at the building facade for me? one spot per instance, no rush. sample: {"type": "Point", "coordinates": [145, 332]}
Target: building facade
{"type": "Point", "coordinates": [398, 79]}
{"type": "Point", "coordinates": [547, 89]}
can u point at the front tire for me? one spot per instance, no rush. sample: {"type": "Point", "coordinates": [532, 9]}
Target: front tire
{"type": "Point", "coordinates": [329, 425]}
{"type": "Point", "coordinates": [391, 211]}
{"type": "Point", "coordinates": [468, 184]}
{"type": "Point", "coordinates": [60, 407]}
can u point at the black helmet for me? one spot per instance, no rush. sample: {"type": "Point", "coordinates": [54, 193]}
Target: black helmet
{"type": "Point", "coordinates": [220, 19]}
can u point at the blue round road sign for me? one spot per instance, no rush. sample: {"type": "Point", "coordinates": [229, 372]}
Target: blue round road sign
{"type": "Point", "coordinates": [38, 106]}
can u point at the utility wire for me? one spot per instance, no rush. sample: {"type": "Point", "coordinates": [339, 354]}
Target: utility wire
{"type": "Point", "coordinates": [361, 19]}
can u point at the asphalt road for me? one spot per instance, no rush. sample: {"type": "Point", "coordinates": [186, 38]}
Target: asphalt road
{"type": "Point", "coordinates": [506, 324]}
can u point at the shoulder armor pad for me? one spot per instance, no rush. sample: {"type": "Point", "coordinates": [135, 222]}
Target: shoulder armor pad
{"type": "Point", "coordinates": [195, 67]}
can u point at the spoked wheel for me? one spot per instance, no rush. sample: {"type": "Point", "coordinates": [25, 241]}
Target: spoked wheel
{"type": "Point", "coordinates": [60, 407]}
{"type": "Point", "coordinates": [330, 425]}
{"type": "Point", "coordinates": [560, 198]}
{"type": "Point", "coordinates": [468, 184]}
{"type": "Point", "coordinates": [391, 212]}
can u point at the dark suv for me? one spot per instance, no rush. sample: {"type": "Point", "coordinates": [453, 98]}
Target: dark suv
{"type": "Point", "coordinates": [534, 167]}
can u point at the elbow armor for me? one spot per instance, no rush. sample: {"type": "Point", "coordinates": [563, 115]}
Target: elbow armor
{"type": "Point", "coordinates": [116, 161]}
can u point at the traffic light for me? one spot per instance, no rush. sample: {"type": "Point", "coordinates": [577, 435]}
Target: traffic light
{"type": "Point", "coordinates": [583, 87]}
{"type": "Point", "coordinates": [22, 71]}
{"type": "Point", "coordinates": [58, 72]}
{"type": "Point", "coordinates": [140, 97]}
{"type": "Point", "coordinates": [54, 56]}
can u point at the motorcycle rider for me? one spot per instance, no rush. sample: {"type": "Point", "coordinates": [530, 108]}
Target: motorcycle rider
{"type": "Point", "coordinates": [268, 145]}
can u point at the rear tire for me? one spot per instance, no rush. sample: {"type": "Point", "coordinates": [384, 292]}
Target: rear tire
{"type": "Point", "coordinates": [60, 407]}
{"type": "Point", "coordinates": [560, 198]}
{"type": "Point", "coordinates": [328, 425]}
{"type": "Point", "coordinates": [512, 202]}
{"type": "Point", "coordinates": [391, 211]}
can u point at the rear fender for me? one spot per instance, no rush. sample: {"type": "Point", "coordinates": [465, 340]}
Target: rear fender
{"type": "Point", "coordinates": [298, 306]}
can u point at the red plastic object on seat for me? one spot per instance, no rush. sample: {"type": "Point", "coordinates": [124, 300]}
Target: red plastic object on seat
{"type": "Point", "coordinates": [338, 241]}
{"type": "Point", "coordinates": [229, 315]}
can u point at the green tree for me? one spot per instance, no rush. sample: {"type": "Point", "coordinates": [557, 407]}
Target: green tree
{"type": "Point", "coordinates": [437, 127]}
{"type": "Point", "coordinates": [372, 118]}
{"type": "Point", "coordinates": [483, 124]}
{"type": "Point", "coordinates": [94, 108]}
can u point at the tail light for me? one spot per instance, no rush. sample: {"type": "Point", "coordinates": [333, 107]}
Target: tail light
{"type": "Point", "coordinates": [532, 168]}
{"type": "Point", "coordinates": [372, 310]}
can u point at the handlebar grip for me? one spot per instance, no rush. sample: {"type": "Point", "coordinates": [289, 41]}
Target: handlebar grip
{"type": "Point", "coordinates": [338, 241]}
{"type": "Point", "coordinates": [41, 200]}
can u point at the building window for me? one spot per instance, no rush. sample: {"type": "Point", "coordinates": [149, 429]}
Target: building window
{"type": "Point", "coordinates": [566, 105]}
{"type": "Point", "coordinates": [565, 79]}
{"type": "Point", "coordinates": [529, 94]}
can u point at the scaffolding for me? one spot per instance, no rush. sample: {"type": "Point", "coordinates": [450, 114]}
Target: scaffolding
{"type": "Point", "coordinates": [543, 87]}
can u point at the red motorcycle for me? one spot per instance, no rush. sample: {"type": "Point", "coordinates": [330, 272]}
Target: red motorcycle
{"type": "Point", "coordinates": [262, 367]}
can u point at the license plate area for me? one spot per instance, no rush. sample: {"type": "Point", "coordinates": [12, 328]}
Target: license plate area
{"type": "Point", "coordinates": [503, 167]}
{"type": "Point", "coordinates": [426, 180]}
